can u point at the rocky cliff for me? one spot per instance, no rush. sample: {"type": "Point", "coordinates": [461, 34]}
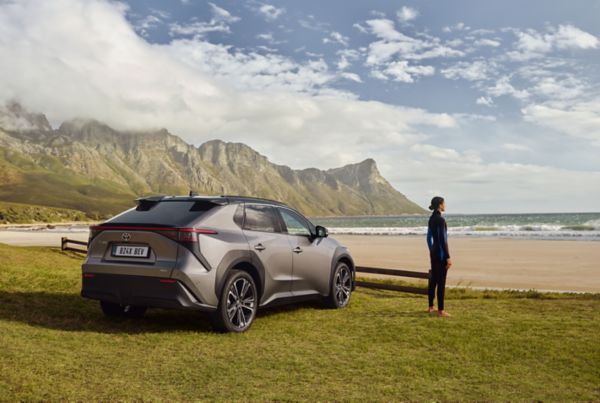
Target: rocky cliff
{"type": "Point", "coordinates": [88, 166]}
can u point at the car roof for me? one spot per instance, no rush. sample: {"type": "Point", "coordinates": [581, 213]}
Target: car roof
{"type": "Point", "coordinates": [223, 199]}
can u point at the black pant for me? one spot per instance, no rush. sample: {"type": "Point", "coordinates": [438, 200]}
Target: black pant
{"type": "Point", "coordinates": [437, 279]}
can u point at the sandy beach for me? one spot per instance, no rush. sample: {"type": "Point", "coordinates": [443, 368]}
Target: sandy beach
{"type": "Point", "coordinates": [478, 262]}
{"type": "Point", "coordinates": [492, 263]}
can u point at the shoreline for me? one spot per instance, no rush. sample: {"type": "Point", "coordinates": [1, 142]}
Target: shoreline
{"type": "Point", "coordinates": [49, 225]}
{"type": "Point", "coordinates": [488, 263]}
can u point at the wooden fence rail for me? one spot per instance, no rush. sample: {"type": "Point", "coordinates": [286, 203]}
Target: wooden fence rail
{"type": "Point", "coordinates": [392, 272]}
{"type": "Point", "coordinates": [64, 245]}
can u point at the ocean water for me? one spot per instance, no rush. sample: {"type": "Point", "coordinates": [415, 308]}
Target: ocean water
{"type": "Point", "coordinates": [556, 226]}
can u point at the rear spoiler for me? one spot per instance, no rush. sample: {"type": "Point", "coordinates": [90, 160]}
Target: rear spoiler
{"type": "Point", "coordinates": [148, 202]}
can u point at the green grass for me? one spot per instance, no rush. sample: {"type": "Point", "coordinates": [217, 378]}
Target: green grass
{"type": "Point", "coordinates": [383, 347]}
{"type": "Point", "coordinates": [17, 213]}
{"type": "Point", "coordinates": [46, 181]}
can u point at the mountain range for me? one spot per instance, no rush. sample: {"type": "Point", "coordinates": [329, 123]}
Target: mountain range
{"type": "Point", "coordinates": [87, 166]}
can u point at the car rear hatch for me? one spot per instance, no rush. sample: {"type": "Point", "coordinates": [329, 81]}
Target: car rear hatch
{"type": "Point", "coordinates": [145, 240]}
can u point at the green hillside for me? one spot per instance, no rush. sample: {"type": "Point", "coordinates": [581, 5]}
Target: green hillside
{"type": "Point", "coordinates": [49, 184]}
{"type": "Point", "coordinates": [86, 165]}
{"type": "Point", "coordinates": [17, 213]}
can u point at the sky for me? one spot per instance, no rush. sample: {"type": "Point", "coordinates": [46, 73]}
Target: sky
{"type": "Point", "coordinates": [493, 105]}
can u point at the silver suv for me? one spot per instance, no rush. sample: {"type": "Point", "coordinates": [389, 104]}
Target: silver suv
{"type": "Point", "coordinates": [228, 255]}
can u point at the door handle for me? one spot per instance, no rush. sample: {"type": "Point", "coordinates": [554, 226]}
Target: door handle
{"type": "Point", "coordinates": [297, 249]}
{"type": "Point", "coordinates": [259, 246]}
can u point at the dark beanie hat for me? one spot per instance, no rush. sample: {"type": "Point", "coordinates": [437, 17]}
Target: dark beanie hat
{"type": "Point", "coordinates": [435, 202]}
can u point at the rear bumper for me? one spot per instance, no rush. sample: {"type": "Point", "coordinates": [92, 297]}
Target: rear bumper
{"type": "Point", "coordinates": [140, 291]}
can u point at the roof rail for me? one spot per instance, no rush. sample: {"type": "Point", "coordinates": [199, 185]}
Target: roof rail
{"type": "Point", "coordinates": [251, 198]}
{"type": "Point", "coordinates": [151, 198]}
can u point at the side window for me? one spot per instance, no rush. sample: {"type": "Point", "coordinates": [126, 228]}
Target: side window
{"type": "Point", "coordinates": [295, 224]}
{"type": "Point", "coordinates": [238, 217]}
{"type": "Point", "coordinates": [260, 218]}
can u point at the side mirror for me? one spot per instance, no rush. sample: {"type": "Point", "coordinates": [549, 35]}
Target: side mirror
{"type": "Point", "coordinates": [321, 231]}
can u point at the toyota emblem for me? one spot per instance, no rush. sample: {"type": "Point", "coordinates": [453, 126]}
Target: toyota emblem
{"type": "Point", "coordinates": [125, 236]}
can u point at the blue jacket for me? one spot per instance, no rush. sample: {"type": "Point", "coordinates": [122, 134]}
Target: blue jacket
{"type": "Point", "coordinates": [437, 237]}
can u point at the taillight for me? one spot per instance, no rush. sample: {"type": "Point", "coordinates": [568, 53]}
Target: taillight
{"type": "Point", "coordinates": [185, 235]}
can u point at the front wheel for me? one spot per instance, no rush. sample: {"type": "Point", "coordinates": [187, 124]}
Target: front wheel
{"type": "Point", "coordinates": [341, 286]}
{"type": "Point", "coordinates": [238, 303]}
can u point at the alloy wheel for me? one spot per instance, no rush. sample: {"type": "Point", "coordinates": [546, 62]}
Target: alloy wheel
{"type": "Point", "coordinates": [343, 286]}
{"type": "Point", "coordinates": [241, 303]}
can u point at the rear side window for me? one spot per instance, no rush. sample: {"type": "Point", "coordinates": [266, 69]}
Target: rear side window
{"type": "Point", "coordinates": [260, 218]}
{"type": "Point", "coordinates": [167, 213]}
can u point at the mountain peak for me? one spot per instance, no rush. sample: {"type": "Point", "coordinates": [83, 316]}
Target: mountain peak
{"type": "Point", "coordinates": [112, 167]}
{"type": "Point", "coordinates": [14, 117]}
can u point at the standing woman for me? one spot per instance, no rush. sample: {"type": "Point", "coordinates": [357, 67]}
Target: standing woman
{"type": "Point", "coordinates": [437, 240]}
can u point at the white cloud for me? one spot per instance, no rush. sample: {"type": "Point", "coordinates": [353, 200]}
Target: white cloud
{"type": "Point", "coordinates": [377, 13]}
{"type": "Point", "coordinates": [220, 14]}
{"type": "Point", "coordinates": [401, 71]}
{"type": "Point", "coordinates": [269, 38]}
{"type": "Point", "coordinates": [406, 14]}
{"type": "Point", "coordinates": [533, 44]}
{"type": "Point", "coordinates": [460, 26]}
{"type": "Point", "coordinates": [385, 29]}
{"type": "Point", "coordinates": [486, 101]}
{"type": "Point", "coordinates": [436, 152]}
{"type": "Point", "coordinates": [266, 37]}
{"type": "Point", "coordinates": [558, 88]}
{"type": "Point", "coordinates": [487, 42]}
{"type": "Point", "coordinates": [346, 56]}
{"type": "Point", "coordinates": [252, 71]}
{"type": "Point", "coordinates": [311, 22]}
{"type": "Point", "coordinates": [360, 28]}
{"type": "Point", "coordinates": [472, 186]}
{"type": "Point", "coordinates": [378, 75]}
{"type": "Point", "coordinates": [391, 43]}
{"type": "Point", "coordinates": [197, 89]}
{"type": "Point", "coordinates": [471, 71]}
{"type": "Point", "coordinates": [270, 12]}
{"type": "Point", "coordinates": [336, 37]}
{"type": "Point", "coordinates": [570, 37]}
{"type": "Point", "coordinates": [219, 22]}
{"type": "Point", "coordinates": [352, 77]}
{"type": "Point", "coordinates": [582, 119]}
{"type": "Point", "coordinates": [504, 87]}
{"type": "Point", "coordinates": [515, 147]}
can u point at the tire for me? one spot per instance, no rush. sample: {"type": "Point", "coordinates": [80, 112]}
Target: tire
{"type": "Point", "coordinates": [237, 304]}
{"type": "Point", "coordinates": [341, 287]}
{"type": "Point", "coordinates": [113, 310]}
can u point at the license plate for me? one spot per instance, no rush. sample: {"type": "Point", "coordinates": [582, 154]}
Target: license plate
{"type": "Point", "coordinates": [130, 251]}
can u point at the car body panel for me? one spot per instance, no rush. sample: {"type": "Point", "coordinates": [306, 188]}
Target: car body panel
{"type": "Point", "coordinates": [277, 257]}
{"type": "Point", "coordinates": [311, 266]}
{"type": "Point", "coordinates": [192, 275]}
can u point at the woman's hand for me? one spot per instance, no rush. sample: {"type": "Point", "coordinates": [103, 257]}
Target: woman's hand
{"type": "Point", "coordinates": [448, 263]}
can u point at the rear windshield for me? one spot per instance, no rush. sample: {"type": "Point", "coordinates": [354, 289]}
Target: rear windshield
{"type": "Point", "coordinates": [164, 213]}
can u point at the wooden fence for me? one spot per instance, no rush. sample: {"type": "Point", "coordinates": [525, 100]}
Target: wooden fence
{"type": "Point", "coordinates": [64, 245]}
{"type": "Point", "coordinates": [395, 273]}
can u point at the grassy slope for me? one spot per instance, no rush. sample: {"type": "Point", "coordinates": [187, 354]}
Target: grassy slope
{"type": "Point", "coordinates": [56, 186]}
{"type": "Point", "coordinates": [499, 346]}
{"type": "Point", "coordinates": [17, 213]}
